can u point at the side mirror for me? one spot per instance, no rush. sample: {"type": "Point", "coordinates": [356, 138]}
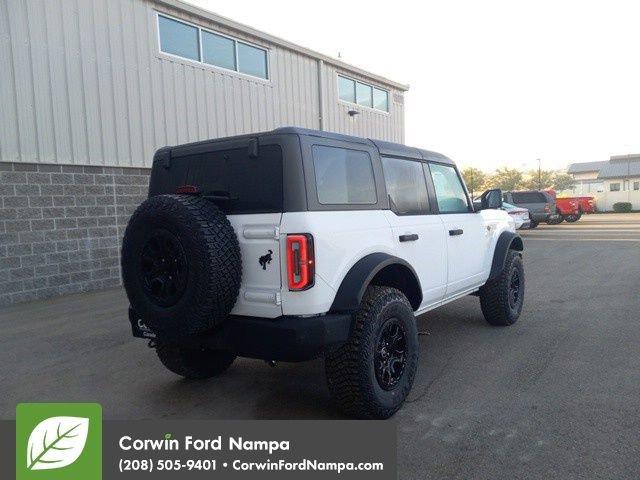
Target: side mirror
{"type": "Point", "coordinates": [491, 199]}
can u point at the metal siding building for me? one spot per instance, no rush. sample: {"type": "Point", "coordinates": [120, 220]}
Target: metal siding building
{"type": "Point", "coordinates": [87, 96]}
{"type": "Point", "coordinates": [84, 82]}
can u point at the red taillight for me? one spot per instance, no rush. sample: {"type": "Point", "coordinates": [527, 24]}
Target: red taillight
{"type": "Point", "coordinates": [187, 190]}
{"type": "Point", "coordinates": [547, 208]}
{"type": "Point", "coordinates": [300, 261]}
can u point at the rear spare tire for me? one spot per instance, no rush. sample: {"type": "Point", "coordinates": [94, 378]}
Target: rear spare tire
{"type": "Point", "coordinates": [181, 264]}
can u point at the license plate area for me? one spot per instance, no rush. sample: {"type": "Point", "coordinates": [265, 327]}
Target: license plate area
{"type": "Point", "coordinates": [138, 328]}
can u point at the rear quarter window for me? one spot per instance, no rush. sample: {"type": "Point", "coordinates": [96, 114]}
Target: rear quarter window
{"type": "Point", "coordinates": [528, 197]}
{"type": "Point", "coordinates": [343, 176]}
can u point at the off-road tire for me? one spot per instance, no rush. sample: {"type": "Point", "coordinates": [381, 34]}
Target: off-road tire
{"type": "Point", "coordinates": [350, 371]}
{"type": "Point", "coordinates": [573, 218]}
{"type": "Point", "coordinates": [209, 255]}
{"type": "Point", "coordinates": [533, 224]}
{"type": "Point", "coordinates": [194, 363]}
{"type": "Point", "coordinates": [495, 301]}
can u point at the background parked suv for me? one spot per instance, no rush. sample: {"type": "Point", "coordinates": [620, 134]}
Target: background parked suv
{"type": "Point", "coordinates": [541, 205]}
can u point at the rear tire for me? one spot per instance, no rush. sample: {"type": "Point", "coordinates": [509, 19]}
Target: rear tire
{"type": "Point", "coordinates": [502, 298]}
{"type": "Point", "coordinates": [371, 375]}
{"type": "Point", "coordinates": [556, 220]}
{"type": "Point", "coordinates": [573, 218]}
{"type": "Point", "coordinates": [194, 363]}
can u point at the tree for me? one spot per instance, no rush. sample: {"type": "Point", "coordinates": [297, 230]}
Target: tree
{"type": "Point", "coordinates": [505, 179]}
{"type": "Point", "coordinates": [563, 181]}
{"type": "Point", "coordinates": [474, 179]}
{"type": "Point", "coordinates": [539, 180]}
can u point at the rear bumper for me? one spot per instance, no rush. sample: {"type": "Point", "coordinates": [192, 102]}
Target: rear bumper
{"type": "Point", "coordinates": [287, 339]}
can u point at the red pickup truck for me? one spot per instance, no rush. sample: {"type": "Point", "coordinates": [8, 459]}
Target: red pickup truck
{"type": "Point", "coordinates": [586, 204]}
{"type": "Point", "coordinates": [571, 208]}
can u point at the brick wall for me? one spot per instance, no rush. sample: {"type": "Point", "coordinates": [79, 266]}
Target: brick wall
{"type": "Point", "coordinates": [61, 227]}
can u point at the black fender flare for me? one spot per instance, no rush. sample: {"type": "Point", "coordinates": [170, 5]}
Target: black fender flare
{"type": "Point", "coordinates": [358, 278]}
{"type": "Point", "coordinates": [506, 241]}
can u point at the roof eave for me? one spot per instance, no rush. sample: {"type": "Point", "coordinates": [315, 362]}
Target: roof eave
{"type": "Point", "coordinates": [240, 27]}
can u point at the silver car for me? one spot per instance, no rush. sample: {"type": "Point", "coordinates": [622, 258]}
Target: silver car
{"type": "Point", "coordinates": [520, 215]}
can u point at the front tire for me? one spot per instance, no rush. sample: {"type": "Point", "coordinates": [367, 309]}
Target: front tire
{"type": "Point", "coordinates": [371, 375]}
{"type": "Point", "coordinates": [573, 218]}
{"type": "Point", "coordinates": [192, 362]}
{"type": "Point", "coordinates": [533, 224]}
{"type": "Point", "coordinates": [502, 298]}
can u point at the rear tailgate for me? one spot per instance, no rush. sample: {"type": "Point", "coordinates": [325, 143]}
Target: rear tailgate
{"type": "Point", "coordinates": [247, 186]}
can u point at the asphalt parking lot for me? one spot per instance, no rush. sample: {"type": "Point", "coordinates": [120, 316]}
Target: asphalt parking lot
{"type": "Point", "coordinates": [555, 396]}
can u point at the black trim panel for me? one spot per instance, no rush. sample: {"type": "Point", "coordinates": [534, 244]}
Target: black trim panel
{"type": "Point", "coordinates": [506, 241]}
{"type": "Point", "coordinates": [358, 278]}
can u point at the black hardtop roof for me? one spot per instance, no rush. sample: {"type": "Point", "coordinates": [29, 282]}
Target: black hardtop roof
{"type": "Point", "coordinates": [385, 148]}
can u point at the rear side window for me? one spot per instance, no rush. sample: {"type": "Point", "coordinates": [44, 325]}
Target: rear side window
{"type": "Point", "coordinates": [528, 197]}
{"type": "Point", "coordinates": [406, 186]}
{"type": "Point", "coordinates": [235, 182]}
{"type": "Point", "coordinates": [343, 176]}
{"type": "Point", "coordinates": [449, 189]}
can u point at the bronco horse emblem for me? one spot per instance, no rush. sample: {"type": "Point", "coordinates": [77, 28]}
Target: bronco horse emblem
{"type": "Point", "coordinates": [265, 259]}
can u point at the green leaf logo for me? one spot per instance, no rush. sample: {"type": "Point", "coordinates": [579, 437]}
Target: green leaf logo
{"type": "Point", "coordinates": [56, 442]}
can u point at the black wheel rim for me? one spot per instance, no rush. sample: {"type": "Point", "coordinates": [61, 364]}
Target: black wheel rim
{"type": "Point", "coordinates": [390, 354]}
{"type": "Point", "coordinates": [515, 286]}
{"type": "Point", "coordinates": [163, 268]}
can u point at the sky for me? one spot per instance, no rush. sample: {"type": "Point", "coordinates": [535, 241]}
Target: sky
{"type": "Point", "coordinates": [493, 83]}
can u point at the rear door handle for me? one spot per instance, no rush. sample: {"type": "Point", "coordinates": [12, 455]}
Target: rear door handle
{"type": "Point", "coordinates": [409, 238]}
{"type": "Point", "coordinates": [458, 231]}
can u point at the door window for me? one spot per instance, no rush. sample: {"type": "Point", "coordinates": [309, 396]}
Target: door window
{"type": "Point", "coordinates": [450, 192]}
{"type": "Point", "coordinates": [406, 186]}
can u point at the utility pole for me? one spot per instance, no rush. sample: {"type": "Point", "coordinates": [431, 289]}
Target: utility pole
{"type": "Point", "coordinates": [539, 175]}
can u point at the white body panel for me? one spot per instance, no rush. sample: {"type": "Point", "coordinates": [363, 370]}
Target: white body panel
{"type": "Point", "coordinates": [340, 240]}
{"type": "Point", "coordinates": [427, 255]}
{"type": "Point", "coordinates": [259, 238]}
{"type": "Point", "coordinates": [448, 266]}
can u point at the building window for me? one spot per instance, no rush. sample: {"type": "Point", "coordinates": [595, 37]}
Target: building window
{"type": "Point", "coordinates": [195, 43]}
{"type": "Point", "coordinates": [363, 94]}
{"type": "Point", "coordinates": [178, 38]}
{"type": "Point", "coordinates": [347, 89]}
{"type": "Point", "coordinates": [380, 99]}
{"type": "Point", "coordinates": [614, 187]}
{"type": "Point", "coordinates": [343, 176]}
{"type": "Point", "coordinates": [219, 51]}
{"type": "Point", "coordinates": [636, 185]}
{"type": "Point", "coordinates": [252, 60]}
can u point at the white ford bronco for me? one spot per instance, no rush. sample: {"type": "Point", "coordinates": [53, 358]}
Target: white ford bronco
{"type": "Point", "coordinates": [293, 244]}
